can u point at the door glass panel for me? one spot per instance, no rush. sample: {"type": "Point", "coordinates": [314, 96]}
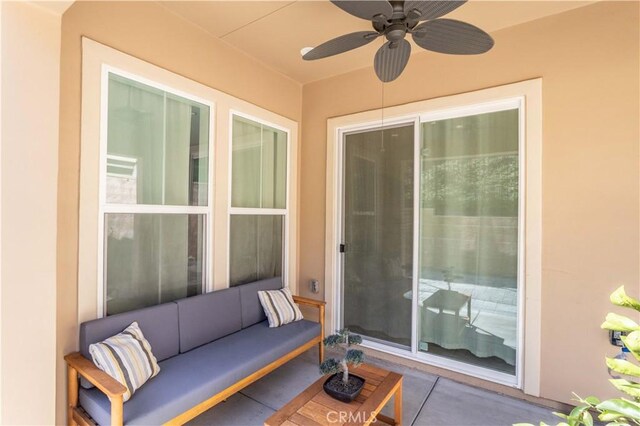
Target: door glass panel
{"type": "Point", "coordinates": [256, 248]}
{"type": "Point", "coordinates": [259, 165]}
{"type": "Point", "coordinates": [152, 259]}
{"type": "Point", "coordinates": [378, 232]}
{"type": "Point", "coordinates": [468, 273]}
{"type": "Point", "coordinates": [157, 146]}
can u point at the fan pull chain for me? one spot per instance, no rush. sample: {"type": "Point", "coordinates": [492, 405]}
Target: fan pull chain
{"type": "Point", "coordinates": [382, 116]}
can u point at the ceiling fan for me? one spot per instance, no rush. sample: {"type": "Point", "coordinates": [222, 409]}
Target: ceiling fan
{"type": "Point", "coordinates": [393, 20]}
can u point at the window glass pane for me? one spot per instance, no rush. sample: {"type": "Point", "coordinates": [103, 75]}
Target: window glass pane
{"type": "Point", "coordinates": [256, 248]}
{"type": "Point", "coordinates": [152, 259]}
{"type": "Point", "coordinates": [468, 280]}
{"type": "Point", "coordinates": [259, 165]}
{"type": "Point", "coordinates": [157, 146]}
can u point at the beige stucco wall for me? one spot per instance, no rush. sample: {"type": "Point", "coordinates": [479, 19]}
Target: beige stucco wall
{"type": "Point", "coordinates": [29, 168]}
{"type": "Point", "coordinates": [589, 67]}
{"type": "Point", "coordinates": [149, 32]}
{"type": "Point", "coordinates": [588, 60]}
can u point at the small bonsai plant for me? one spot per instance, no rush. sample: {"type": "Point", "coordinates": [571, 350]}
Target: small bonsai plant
{"type": "Point", "coordinates": [345, 388]}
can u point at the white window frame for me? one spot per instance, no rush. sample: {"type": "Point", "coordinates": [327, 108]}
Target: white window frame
{"type": "Point", "coordinates": [107, 208]}
{"type": "Point", "coordinates": [529, 94]}
{"type": "Point", "coordinates": [94, 57]}
{"type": "Point", "coordinates": [258, 211]}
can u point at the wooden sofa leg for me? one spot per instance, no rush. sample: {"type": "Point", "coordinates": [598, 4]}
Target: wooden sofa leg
{"type": "Point", "coordinates": [321, 345]}
{"type": "Point", "coordinates": [72, 394]}
{"type": "Point", "coordinates": [117, 411]}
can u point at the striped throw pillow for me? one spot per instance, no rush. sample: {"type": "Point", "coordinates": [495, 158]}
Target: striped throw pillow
{"type": "Point", "coordinates": [126, 357]}
{"type": "Point", "coordinates": [279, 307]}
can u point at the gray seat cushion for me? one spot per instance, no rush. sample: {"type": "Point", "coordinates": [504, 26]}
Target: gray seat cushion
{"type": "Point", "coordinates": [208, 317]}
{"type": "Point", "coordinates": [159, 324]}
{"type": "Point", "coordinates": [193, 377]}
{"type": "Point", "coordinates": [252, 312]}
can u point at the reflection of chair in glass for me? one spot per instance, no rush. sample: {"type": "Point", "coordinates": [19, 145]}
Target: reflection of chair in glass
{"type": "Point", "coordinates": [442, 325]}
{"type": "Point", "coordinates": [449, 300]}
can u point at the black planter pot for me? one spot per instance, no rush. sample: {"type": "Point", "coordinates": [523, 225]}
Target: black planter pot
{"type": "Point", "coordinates": [335, 389]}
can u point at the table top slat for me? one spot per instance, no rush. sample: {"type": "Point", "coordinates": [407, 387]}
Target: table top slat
{"type": "Point", "coordinates": [285, 412]}
{"type": "Point", "coordinates": [318, 413]}
{"type": "Point", "coordinates": [301, 420]}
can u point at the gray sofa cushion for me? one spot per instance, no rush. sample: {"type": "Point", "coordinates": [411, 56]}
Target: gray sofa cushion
{"type": "Point", "coordinates": [159, 324]}
{"type": "Point", "coordinates": [208, 317]}
{"type": "Point", "coordinates": [190, 378]}
{"type": "Point", "coordinates": [252, 312]}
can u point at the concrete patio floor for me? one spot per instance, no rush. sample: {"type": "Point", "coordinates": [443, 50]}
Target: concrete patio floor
{"type": "Point", "coordinates": [428, 399]}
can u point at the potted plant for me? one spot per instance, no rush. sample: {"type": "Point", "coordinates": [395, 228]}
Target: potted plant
{"type": "Point", "coordinates": [624, 370]}
{"type": "Point", "coordinates": [341, 385]}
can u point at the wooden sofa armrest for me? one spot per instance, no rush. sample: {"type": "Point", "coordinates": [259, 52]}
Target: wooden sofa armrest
{"type": "Point", "coordinates": [311, 302]}
{"type": "Point", "coordinates": [320, 305]}
{"type": "Point", "coordinates": [87, 369]}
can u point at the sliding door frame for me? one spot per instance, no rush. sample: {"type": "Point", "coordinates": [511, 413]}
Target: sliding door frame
{"type": "Point", "coordinates": [339, 274]}
{"type": "Point", "coordinates": [526, 96]}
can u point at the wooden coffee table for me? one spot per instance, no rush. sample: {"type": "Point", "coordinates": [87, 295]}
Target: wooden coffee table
{"type": "Point", "coordinates": [314, 407]}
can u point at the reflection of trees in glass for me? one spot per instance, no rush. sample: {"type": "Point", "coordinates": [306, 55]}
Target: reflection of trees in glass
{"type": "Point", "coordinates": [472, 186]}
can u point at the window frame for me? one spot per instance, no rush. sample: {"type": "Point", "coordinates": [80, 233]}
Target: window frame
{"type": "Point", "coordinates": [85, 259]}
{"type": "Point", "coordinates": [105, 208]}
{"type": "Point", "coordinates": [260, 211]}
{"type": "Point", "coordinates": [417, 117]}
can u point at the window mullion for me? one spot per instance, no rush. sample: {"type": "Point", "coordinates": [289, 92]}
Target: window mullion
{"type": "Point", "coordinates": [257, 211]}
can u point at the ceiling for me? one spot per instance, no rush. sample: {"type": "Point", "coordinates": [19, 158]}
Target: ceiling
{"type": "Point", "coordinates": [275, 31]}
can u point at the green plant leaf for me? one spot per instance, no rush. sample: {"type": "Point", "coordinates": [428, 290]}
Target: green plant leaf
{"type": "Point", "coordinates": [592, 400]}
{"type": "Point", "coordinates": [624, 367]}
{"type": "Point", "coordinates": [617, 322]}
{"type": "Point", "coordinates": [577, 411]}
{"type": "Point", "coordinates": [330, 366]}
{"type": "Point", "coordinates": [354, 357]}
{"type": "Point", "coordinates": [622, 406]}
{"type": "Point", "coordinates": [587, 419]}
{"type": "Point", "coordinates": [619, 297]}
{"type": "Point", "coordinates": [627, 387]}
{"type": "Point", "coordinates": [632, 342]}
{"type": "Point", "coordinates": [607, 417]}
{"type": "Point", "coordinates": [334, 340]}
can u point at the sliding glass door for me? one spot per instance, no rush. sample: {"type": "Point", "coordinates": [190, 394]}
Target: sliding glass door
{"type": "Point", "coordinates": [438, 279]}
{"type": "Point", "coordinates": [468, 274]}
{"type": "Point", "coordinates": [378, 233]}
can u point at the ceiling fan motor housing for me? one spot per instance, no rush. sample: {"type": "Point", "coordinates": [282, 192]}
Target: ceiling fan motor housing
{"type": "Point", "coordinates": [396, 31]}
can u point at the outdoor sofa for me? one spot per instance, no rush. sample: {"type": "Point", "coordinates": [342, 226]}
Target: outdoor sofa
{"type": "Point", "coordinates": [208, 347]}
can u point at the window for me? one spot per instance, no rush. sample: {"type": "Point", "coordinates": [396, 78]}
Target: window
{"type": "Point", "coordinates": [148, 213]}
{"type": "Point", "coordinates": [259, 175]}
{"type": "Point", "coordinates": [154, 198]}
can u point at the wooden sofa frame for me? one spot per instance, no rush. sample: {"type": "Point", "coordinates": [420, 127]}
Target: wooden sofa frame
{"type": "Point", "coordinates": [77, 364]}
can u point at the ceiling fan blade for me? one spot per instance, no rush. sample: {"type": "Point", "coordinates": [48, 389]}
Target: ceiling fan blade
{"type": "Point", "coordinates": [365, 9]}
{"type": "Point", "coordinates": [391, 59]}
{"type": "Point", "coordinates": [341, 44]}
{"type": "Point", "coordinates": [431, 9]}
{"type": "Point", "coordinates": [452, 37]}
